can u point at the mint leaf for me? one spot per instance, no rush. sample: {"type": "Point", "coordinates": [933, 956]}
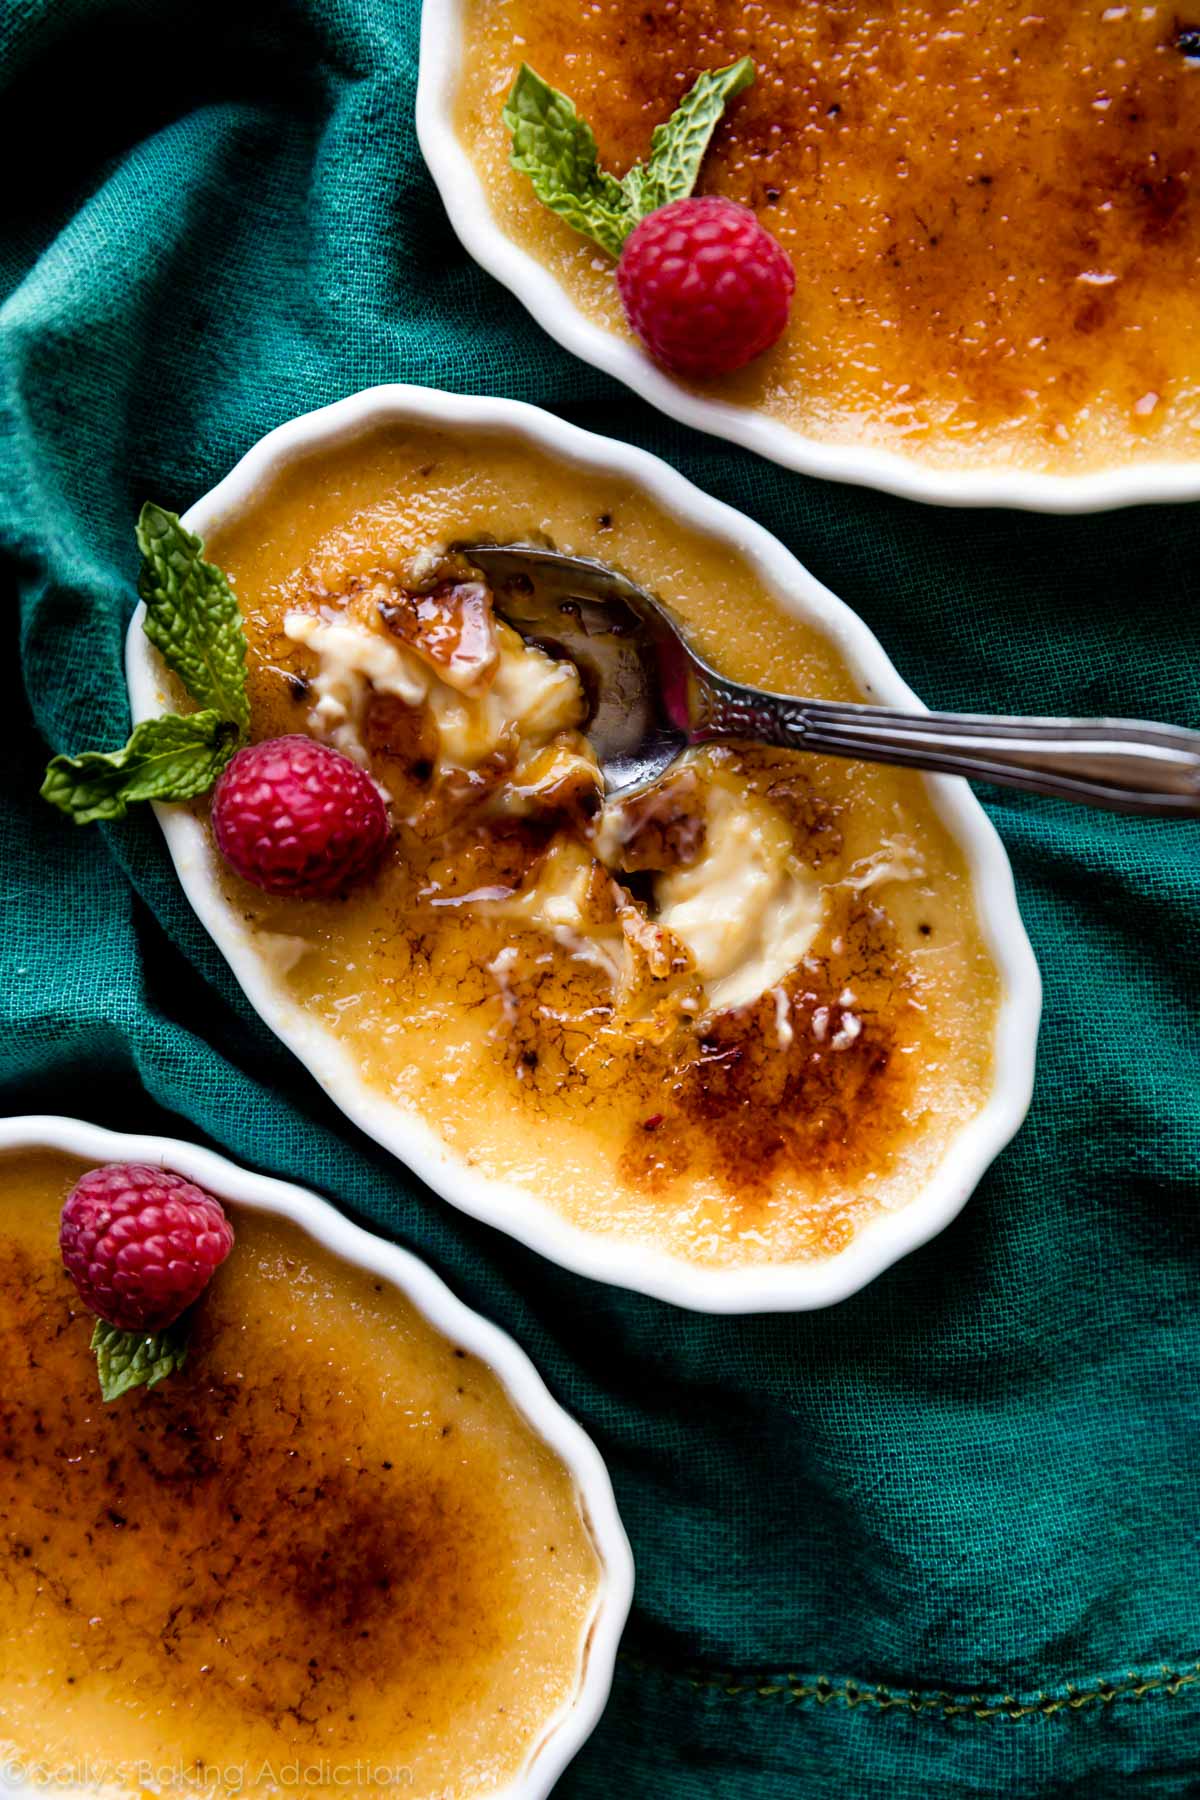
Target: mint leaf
{"type": "Point", "coordinates": [170, 758]}
{"type": "Point", "coordinates": [192, 617]}
{"type": "Point", "coordinates": [130, 1359]}
{"type": "Point", "coordinates": [633, 184]}
{"type": "Point", "coordinates": [677, 148]}
{"type": "Point", "coordinates": [557, 150]}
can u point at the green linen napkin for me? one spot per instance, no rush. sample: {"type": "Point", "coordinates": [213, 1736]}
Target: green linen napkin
{"type": "Point", "coordinates": [941, 1540]}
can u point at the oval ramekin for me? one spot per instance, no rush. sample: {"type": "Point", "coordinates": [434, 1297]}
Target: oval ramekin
{"type": "Point", "coordinates": [786, 1287]}
{"type": "Point", "coordinates": [564, 1734]}
{"type": "Point", "coordinates": [551, 305]}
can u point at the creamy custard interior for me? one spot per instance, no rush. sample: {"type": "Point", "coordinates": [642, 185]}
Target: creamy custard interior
{"type": "Point", "coordinates": [733, 1021]}
{"type": "Point", "coordinates": [329, 1542]}
{"type": "Point", "coordinates": [991, 207]}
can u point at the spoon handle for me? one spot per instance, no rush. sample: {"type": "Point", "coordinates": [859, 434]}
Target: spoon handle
{"type": "Point", "coordinates": [1124, 765]}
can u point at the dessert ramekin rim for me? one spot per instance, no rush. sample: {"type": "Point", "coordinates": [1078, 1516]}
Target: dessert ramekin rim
{"type": "Point", "coordinates": [551, 306]}
{"type": "Point", "coordinates": [795, 1286]}
{"type": "Point", "coordinates": [565, 1734]}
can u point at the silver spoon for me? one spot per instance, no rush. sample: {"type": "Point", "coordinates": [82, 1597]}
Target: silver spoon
{"type": "Point", "coordinates": [651, 696]}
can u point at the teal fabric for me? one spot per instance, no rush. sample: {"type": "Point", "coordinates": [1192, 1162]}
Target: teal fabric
{"type": "Point", "coordinates": [941, 1540]}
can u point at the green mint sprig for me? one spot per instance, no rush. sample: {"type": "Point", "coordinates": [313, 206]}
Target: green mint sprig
{"type": "Point", "coordinates": [557, 150]}
{"type": "Point", "coordinates": [171, 758]}
{"type": "Point", "coordinates": [192, 618]}
{"type": "Point", "coordinates": [193, 621]}
{"type": "Point", "coordinates": [132, 1359]}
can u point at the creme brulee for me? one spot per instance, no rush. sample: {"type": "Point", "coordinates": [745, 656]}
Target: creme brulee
{"type": "Point", "coordinates": [991, 207]}
{"type": "Point", "coordinates": [330, 1542]}
{"type": "Point", "coordinates": [733, 1020]}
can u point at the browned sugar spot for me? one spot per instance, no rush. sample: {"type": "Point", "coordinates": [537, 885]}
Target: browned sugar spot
{"type": "Point", "coordinates": [450, 627]}
{"type": "Point", "coordinates": [663, 827]}
{"type": "Point", "coordinates": [403, 744]}
{"type": "Point", "coordinates": [778, 775]}
{"type": "Point", "coordinates": [746, 1106]}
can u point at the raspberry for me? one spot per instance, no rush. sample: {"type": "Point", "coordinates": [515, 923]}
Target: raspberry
{"type": "Point", "coordinates": [704, 285]}
{"type": "Point", "coordinates": [141, 1244]}
{"type": "Point", "coordinates": [294, 816]}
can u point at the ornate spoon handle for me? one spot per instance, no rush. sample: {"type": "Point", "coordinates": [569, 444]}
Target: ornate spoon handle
{"type": "Point", "coordinates": [1122, 764]}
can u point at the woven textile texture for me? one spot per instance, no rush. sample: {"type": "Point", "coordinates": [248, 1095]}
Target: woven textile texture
{"type": "Point", "coordinates": [938, 1541]}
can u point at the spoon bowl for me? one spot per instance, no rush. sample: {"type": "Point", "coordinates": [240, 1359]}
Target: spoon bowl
{"type": "Point", "coordinates": [632, 660]}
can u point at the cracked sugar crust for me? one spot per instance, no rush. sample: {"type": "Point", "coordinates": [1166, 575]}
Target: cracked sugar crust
{"type": "Point", "coordinates": [557, 1018]}
{"type": "Point", "coordinates": [329, 1536]}
{"type": "Point", "coordinates": [992, 210]}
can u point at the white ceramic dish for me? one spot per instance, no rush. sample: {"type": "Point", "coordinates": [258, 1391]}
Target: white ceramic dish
{"type": "Point", "coordinates": [564, 1735]}
{"type": "Point", "coordinates": [787, 1287]}
{"type": "Point", "coordinates": [472, 218]}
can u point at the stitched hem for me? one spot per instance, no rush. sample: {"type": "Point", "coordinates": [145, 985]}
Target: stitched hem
{"type": "Point", "coordinates": [820, 1691]}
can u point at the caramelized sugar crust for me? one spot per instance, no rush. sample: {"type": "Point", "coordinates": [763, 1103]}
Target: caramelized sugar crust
{"type": "Point", "coordinates": [763, 1132]}
{"type": "Point", "coordinates": [330, 1537]}
{"type": "Point", "coordinates": [991, 207]}
{"type": "Point", "coordinates": [753, 1102]}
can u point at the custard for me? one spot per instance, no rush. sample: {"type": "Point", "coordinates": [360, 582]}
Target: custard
{"type": "Point", "coordinates": [734, 1021]}
{"type": "Point", "coordinates": [991, 207]}
{"type": "Point", "coordinates": [329, 1542]}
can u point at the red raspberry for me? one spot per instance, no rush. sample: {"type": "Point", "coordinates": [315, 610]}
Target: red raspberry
{"type": "Point", "coordinates": [294, 816]}
{"type": "Point", "coordinates": [141, 1244]}
{"type": "Point", "coordinates": [704, 285]}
